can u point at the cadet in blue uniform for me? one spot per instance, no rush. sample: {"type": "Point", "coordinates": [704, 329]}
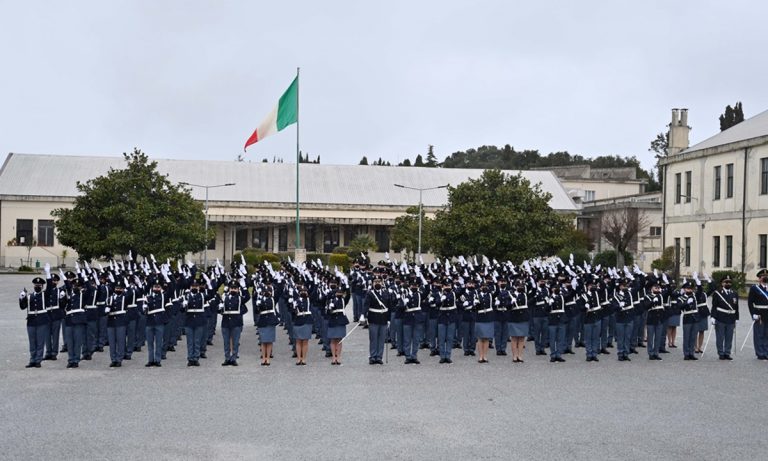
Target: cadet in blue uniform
{"type": "Point", "coordinates": [232, 309]}
{"type": "Point", "coordinates": [194, 307]}
{"type": "Point", "coordinates": [484, 322]}
{"type": "Point", "coordinates": [116, 324]}
{"type": "Point", "coordinates": [469, 299]}
{"type": "Point", "coordinates": [519, 317]}
{"type": "Point", "coordinates": [92, 318]}
{"type": "Point", "coordinates": [540, 319]}
{"type": "Point", "coordinates": [557, 321]}
{"type": "Point", "coordinates": [623, 307]}
{"type": "Point", "coordinates": [156, 307]}
{"type": "Point", "coordinates": [37, 320]}
{"type": "Point", "coordinates": [56, 303]}
{"type": "Point", "coordinates": [655, 305]}
{"type": "Point", "coordinates": [266, 323]}
{"type": "Point", "coordinates": [686, 302]}
{"type": "Point", "coordinates": [74, 324]}
{"type": "Point", "coordinates": [501, 305]}
{"type": "Point", "coordinates": [757, 301]}
{"type": "Point", "coordinates": [446, 322]}
{"type": "Point", "coordinates": [337, 323]}
{"type": "Point", "coordinates": [302, 324]}
{"type": "Point", "coordinates": [703, 323]}
{"type": "Point", "coordinates": [434, 311]}
{"type": "Point", "coordinates": [103, 293]}
{"type": "Point", "coordinates": [725, 314]}
{"type": "Point", "coordinates": [592, 307]}
{"type": "Point", "coordinates": [378, 314]}
{"type": "Point", "coordinates": [132, 293]}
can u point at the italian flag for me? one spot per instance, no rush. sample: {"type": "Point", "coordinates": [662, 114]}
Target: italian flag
{"type": "Point", "coordinates": [285, 113]}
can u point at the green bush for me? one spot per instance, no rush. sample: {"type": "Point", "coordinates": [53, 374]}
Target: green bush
{"type": "Point", "coordinates": [315, 256]}
{"type": "Point", "coordinates": [256, 257]}
{"type": "Point", "coordinates": [340, 260]}
{"type": "Point", "coordinates": [666, 262]}
{"type": "Point", "coordinates": [579, 256]}
{"type": "Point", "coordinates": [341, 250]}
{"type": "Point", "coordinates": [26, 269]}
{"type": "Point", "coordinates": [739, 278]}
{"type": "Point", "coordinates": [607, 258]}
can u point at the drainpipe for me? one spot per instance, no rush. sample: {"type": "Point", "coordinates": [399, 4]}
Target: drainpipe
{"type": "Point", "coordinates": [664, 210]}
{"type": "Point", "coordinates": [744, 217]}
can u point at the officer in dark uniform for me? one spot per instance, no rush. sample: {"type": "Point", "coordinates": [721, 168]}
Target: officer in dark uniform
{"type": "Point", "coordinates": [267, 323]}
{"type": "Point", "coordinates": [468, 300]}
{"type": "Point", "coordinates": [623, 307]}
{"type": "Point", "coordinates": [56, 303]}
{"type": "Point", "coordinates": [156, 308]}
{"type": "Point", "coordinates": [194, 307]}
{"type": "Point", "coordinates": [302, 323]}
{"type": "Point", "coordinates": [117, 323]}
{"type": "Point", "coordinates": [557, 321]}
{"type": "Point", "coordinates": [38, 322]}
{"type": "Point", "coordinates": [591, 304]}
{"type": "Point", "coordinates": [655, 303]}
{"type": "Point", "coordinates": [446, 321]}
{"type": "Point", "coordinates": [75, 322]}
{"type": "Point", "coordinates": [540, 322]}
{"type": "Point", "coordinates": [413, 321]}
{"type": "Point", "coordinates": [232, 309]}
{"type": "Point", "coordinates": [725, 314]}
{"type": "Point", "coordinates": [377, 301]}
{"type": "Point", "coordinates": [757, 301]}
{"type": "Point", "coordinates": [686, 302]}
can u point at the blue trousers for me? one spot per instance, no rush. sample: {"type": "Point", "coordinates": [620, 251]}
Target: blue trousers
{"type": "Point", "coordinates": [231, 352]}
{"type": "Point", "coordinates": [468, 337]}
{"type": "Point", "coordinates": [74, 338]}
{"type": "Point", "coordinates": [760, 338]}
{"type": "Point", "coordinates": [154, 334]}
{"type": "Point", "coordinates": [690, 332]}
{"type": "Point", "coordinates": [592, 338]}
{"type": "Point", "coordinates": [195, 341]}
{"type": "Point", "coordinates": [574, 331]}
{"type": "Point", "coordinates": [357, 306]}
{"type": "Point", "coordinates": [501, 335]}
{"type": "Point", "coordinates": [141, 331]}
{"type": "Point", "coordinates": [324, 333]}
{"type": "Point", "coordinates": [117, 338]}
{"type": "Point", "coordinates": [212, 321]}
{"type": "Point", "coordinates": [432, 333]}
{"type": "Point", "coordinates": [377, 334]}
{"type": "Point", "coordinates": [556, 339]}
{"type": "Point", "coordinates": [540, 331]}
{"type": "Point", "coordinates": [396, 333]}
{"type": "Point", "coordinates": [637, 330]}
{"type": "Point", "coordinates": [605, 324]}
{"type": "Point", "coordinates": [445, 333]}
{"type": "Point", "coordinates": [37, 337]}
{"type": "Point", "coordinates": [611, 328]}
{"type": "Point", "coordinates": [656, 336]}
{"type": "Point", "coordinates": [52, 342]}
{"type": "Point", "coordinates": [724, 337]}
{"type": "Point", "coordinates": [411, 339]}
{"type": "Point", "coordinates": [91, 336]}
{"type": "Point", "coordinates": [101, 339]}
{"type": "Point", "coordinates": [130, 334]}
{"type": "Point", "coordinates": [624, 332]}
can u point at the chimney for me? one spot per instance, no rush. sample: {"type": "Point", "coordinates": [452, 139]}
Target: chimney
{"type": "Point", "coordinates": [678, 132]}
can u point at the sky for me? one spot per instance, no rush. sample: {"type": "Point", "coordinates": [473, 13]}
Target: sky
{"type": "Point", "coordinates": [193, 79]}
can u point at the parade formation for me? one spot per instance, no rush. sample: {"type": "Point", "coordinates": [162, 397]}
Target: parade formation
{"type": "Point", "coordinates": [472, 305]}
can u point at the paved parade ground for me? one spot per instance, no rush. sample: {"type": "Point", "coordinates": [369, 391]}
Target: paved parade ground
{"type": "Point", "coordinates": [642, 409]}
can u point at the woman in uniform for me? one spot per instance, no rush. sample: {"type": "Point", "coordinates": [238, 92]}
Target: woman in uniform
{"type": "Point", "coordinates": [484, 322]}
{"type": "Point", "coordinates": [266, 323]}
{"type": "Point", "coordinates": [302, 324]}
{"type": "Point", "coordinates": [337, 324]}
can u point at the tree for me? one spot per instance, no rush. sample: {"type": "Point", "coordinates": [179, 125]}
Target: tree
{"type": "Point", "coordinates": [621, 227]}
{"type": "Point", "coordinates": [498, 215]}
{"type": "Point", "coordinates": [431, 159]}
{"type": "Point", "coordinates": [732, 116]}
{"type": "Point", "coordinates": [418, 161]}
{"type": "Point", "coordinates": [135, 209]}
{"type": "Point", "coordinates": [405, 233]}
{"type": "Point", "coordinates": [406, 162]}
{"type": "Point", "coordinates": [362, 243]}
{"type": "Point", "coordinates": [659, 146]}
{"type": "Point", "coordinates": [364, 161]}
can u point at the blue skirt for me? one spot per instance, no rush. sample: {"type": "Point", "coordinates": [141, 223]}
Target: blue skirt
{"type": "Point", "coordinates": [267, 334]}
{"type": "Point", "coordinates": [302, 332]}
{"type": "Point", "coordinates": [518, 329]}
{"type": "Point", "coordinates": [703, 324]}
{"type": "Point", "coordinates": [674, 321]}
{"type": "Point", "coordinates": [484, 330]}
{"type": "Point", "coordinates": [337, 332]}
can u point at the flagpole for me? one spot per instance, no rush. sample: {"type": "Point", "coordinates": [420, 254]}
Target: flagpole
{"type": "Point", "coordinates": [298, 161]}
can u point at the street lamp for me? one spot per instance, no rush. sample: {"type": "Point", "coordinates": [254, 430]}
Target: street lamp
{"type": "Point", "coordinates": [205, 252]}
{"type": "Point", "coordinates": [420, 189]}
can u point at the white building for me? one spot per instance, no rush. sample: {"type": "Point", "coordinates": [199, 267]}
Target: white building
{"type": "Point", "coordinates": [715, 208]}
{"type": "Point", "coordinates": [338, 202]}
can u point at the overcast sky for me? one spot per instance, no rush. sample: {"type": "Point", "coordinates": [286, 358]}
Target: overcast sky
{"type": "Point", "coordinates": [193, 79]}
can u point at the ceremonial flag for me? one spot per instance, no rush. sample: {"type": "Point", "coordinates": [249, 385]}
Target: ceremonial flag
{"type": "Point", "coordinates": [285, 113]}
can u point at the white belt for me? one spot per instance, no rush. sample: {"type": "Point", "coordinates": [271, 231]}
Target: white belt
{"type": "Point", "coordinates": [727, 311]}
{"type": "Point", "coordinates": [605, 303]}
{"type": "Point", "coordinates": [627, 308]}
{"type": "Point", "coordinates": [690, 312]}
{"type": "Point", "coordinates": [539, 303]}
{"type": "Point", "coordinates": [704, 305]}
{"type": "Point", "coordinates": [115, 313]}
{"type": "Point", "coordinates": [75, 311]}
{"type": "Point", "coordinates": [570, 303]}
{"type": "Point", "coordinates": [38, 312]}
{"type": "Point", "coordinates": [485, 311]}
{"type": "Point", "coordinates": [156, 311]}
{"type": "Point", "coordinates": [519, 308]}
{"type": "Point", "coordinates": [378, 311]}
{"type": "Point", "coordinates": [130, 306]}
{"type": "Point", "coordinates": [237, 312]}
{"type": "Point", "coordinates": [335, 311]}
{"type": "Point", "coordinates": [101, 303]}
{"type": "Point", "coordinates": [52, 308]}
{"type": "Point", "coordinates": [195, 310]}
{"type": "Point", "coordinates": [501, 309]}
{"type": "Point", "coordinates": [304, 313]}
{"type": "Point", "coordinates": [448, 308]}
{"type": "Point", "coordinates": [760, 307]}
{"type": "Point", "coordinates": [413, 309]}
{"type": "Point", "coordinates": [90, 307]}
{"type": "Point", "coordinates": [656, 308]}
{"type": "Point", "coordinates": [594, 309]}
{"type": "Point", "coordinates": [560, 311]}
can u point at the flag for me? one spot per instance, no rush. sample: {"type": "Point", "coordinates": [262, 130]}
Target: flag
{"type": "Point", "coordinates": [285, 113]}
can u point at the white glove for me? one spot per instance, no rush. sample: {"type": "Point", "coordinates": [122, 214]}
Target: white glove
{"type": "Point", "coordinates": [23, 294]}
{"type": "Point", "coordinates": [62, 294]}
{"type": "Point", "coordinates": [185, 303]}
{"type": "Point", "coordinates": [497, 303]}
{"type": "Point", "coordinates": [442, 298]}
{"type": "Point", "coordinates": [242, 283]}
{"type": "Point", "coordinates": [755, 316]}
{"type": "Point", "coordinates": [47, 270]}
{"type": "Point", "coordinates": [106, 310]}
{"type": "Point", "coordinates": [466, 303]}
{"type": "Point", "coordinates": [587, 306]}
{"type": "Point", "coordinates": [737, 322]}
{"type": "Point", "coordinates": [713, 320]}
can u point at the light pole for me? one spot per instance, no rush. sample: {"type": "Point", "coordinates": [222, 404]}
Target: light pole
{"type": "Point", "coordinates": [421, 190]}
{"type": "Point", "coordinates": [205, 252]}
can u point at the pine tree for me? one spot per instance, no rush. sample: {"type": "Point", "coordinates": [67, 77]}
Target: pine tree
{"type": "Point", "coordinates": [418, 161]}
{"type": "Point", "coordinates": [364, 161]}
{"type": "Point", "coordinates": [431, 159]}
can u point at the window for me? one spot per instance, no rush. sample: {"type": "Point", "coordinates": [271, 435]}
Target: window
{"type": "Point", "coordinates": [382, 239]}
{"type": "Point", "coordinates": [212, 243]}
{"type": "Point", "coordinates": [24, 232]}
{"type": "Point", "coordinates": [687, 251]}
{"type": "Point", "coordinates": [241, 239]}
{"type": "Point", "coordinates": [310, 238]}
{"type": "Point", "coordinates": [729, 180]}
{"type": "Point", "coordinates": [655, 231]}
{"type": "Point", "coordinates": [260, 238]}
{"type": "Point", "coordinates": [677, 250]}
{"type": "Point", "coordinates": [678, 185]}
{"type": "Point", "coordinates": [589, 196]}
{"type": "Point", "coordinates": [350, 232]}
{"type": "Point", "coordinates": [718, 181]}
{"type": "Point", "coordinates": [688, 187]}
{"type": "Point", "coordinates": [716, 251]}
{"type": "Point", "coordinates": [330, 239]}
{"type": "Point", "coordinates": [728, 251]}
{"type": "Point", "coordinates": [282, 239]}
{"type": "Point", "coordinates": [763, 177]}
{"type": "Point", "coordinates": [45, 232]}
{"type": "Point", "coordinates": [763, 251]}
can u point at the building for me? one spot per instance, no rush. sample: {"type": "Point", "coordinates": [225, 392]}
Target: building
{"type": "Point", "coordinates": [587, 184]}
{"type": "Point", "coordinates": [337, 202]}
{"type": "Point", "coordinates": [715, 209]}
{"type": "Point", "coordinates": [644, 208]}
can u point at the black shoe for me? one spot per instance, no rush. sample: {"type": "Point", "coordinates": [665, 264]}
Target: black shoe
{"type": "Point", "coordinates": [561, 360]}
{"type": "Point", "coordinates": [99, 349]}
{"type": "Point", "coordinates": [203, 356]}
{"type": "Point", "coordinates": [158, 364]}
{"type": "Point", "coordinates": [609, 345]}
{"type": "Point", "coordinates": [687, 357]}
{"type": "Point", "coordinates": [75, 365]}
{"type": "Point", "coordinates": [672, 346]}
{"type": "Point", "coordinates": [580, 345]}
{"type": "Point", "coordinates": [541, 353]}
{"type": "Point", "coordinates": [627, 359]}
{"type": "Point", "coordinates": [86, 357]}
{"type": "Point", "coordinates": [378, 362]}
{"type": "Point", "coordinates": [126, 357]}
{"type": "Point", "coordinates": [442, 361]}
{"type": "Point", "coordinates": [589, 359]}
{"type": "Point", "coordinates": [136, 349]}
{"type": "Point", "coordinates": [762, 357]}
{"type": "Point", "coordinates": [633, 351]}
{"type": "Point", "coordinates": [118, 364]}
{"type": "Point", "coordinates": [400, 354]}
{"type": "Point", "coordinates": [693, 357]}
{"type": "Point", "coordinates": [30, 365]}
{"type": "Point", "coordinates": [722, 357]}
{"type": "Point", "coordinates": [69, 365]}
{"type": "Point", "coordinates": [64, 349]}
{"type": "Point", "coordinates": [663, 351]}
{"type": "Point", "coordinates": [226, 363]}
{"type": "Point", "coordinates": [233, 363]}
{"type": "Point", "coordinates": [501, 352]}
{"type": "Point", "coordinates": [529, 338]}
{"type": "Point", "coordinates": [568, 351]}
{"type": "Point", "coordinates": [433, 353]}
{"type": "Point", "coordinates": [415, 362]}
{"type": "Point", "coordinates": [328, 354]}
{"type": "Point", "coordinates": [189, 363]}
{"type": "Point", "coordinates": [113, 365]}
{"type": "Point", "coordinates": [408, 361]}
{"type": "Point", "coordinates": [209, 343]}
{"type": "Point", "coordinates": [294, 355]}
{"type": "Point", "coordinates": [604, 351]}
{"type": "Point", "coordinates": [595, 359]}
{"type": "Point", "coordinates": [472, 353]}
{"type": "Point", "coordinates": [172, 349]}
{"type": "Point", "coordinates": [149, 364]}
{"type": "Point", "coordinates": [727, 357]}
{"type": "Point", "coordinates": [424, 346]}
{"type": "Point", "coordinates": [466, 354]}
{"type": "Point", "coordinates": [552, 360]}
{"type": "Point", "coordinates": [448, 361]}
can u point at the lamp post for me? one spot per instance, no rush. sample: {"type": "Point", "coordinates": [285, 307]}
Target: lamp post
{"type": "Point", "coordinates": [205, 252]}
{"type": "Point", "coordinates": [421, 190]}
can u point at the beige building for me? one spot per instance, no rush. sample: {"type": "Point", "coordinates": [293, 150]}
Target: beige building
{"type": "Point", "coordinates": [259, 210]}
{"type": "Point", "coordinates": [715, 207]}
{"type": "Point", "coordinates": [587, 184]}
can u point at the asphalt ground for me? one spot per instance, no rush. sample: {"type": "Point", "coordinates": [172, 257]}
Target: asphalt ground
{"type": "Point", "coordinates": [709, 409]}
